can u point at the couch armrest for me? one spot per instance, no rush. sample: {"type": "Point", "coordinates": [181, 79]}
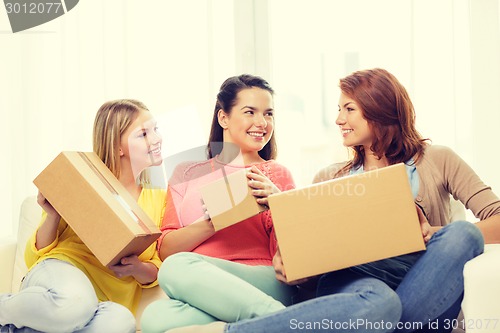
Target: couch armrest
{"type": "Point", "coordinates": [481, 304]}
{"type": "Point", "coordinates": [7, 257]}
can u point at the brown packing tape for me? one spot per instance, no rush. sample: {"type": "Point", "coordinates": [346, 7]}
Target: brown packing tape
{"type": "Point", "coordinates": [117, 196]}
{"type": "Point", "coordinates": [228, 188]}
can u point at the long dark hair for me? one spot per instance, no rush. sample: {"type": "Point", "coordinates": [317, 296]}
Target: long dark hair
{"type": "Point", "coordinates": [387, 107]}
{"type": "Point", "coordinates": [226, 99]}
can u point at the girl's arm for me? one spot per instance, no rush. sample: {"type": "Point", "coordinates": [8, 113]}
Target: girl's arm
{"type": "Point", "coordinates": [186, 239]}
{"type": "Point", "coordinates": [47, 232]}
{"type": "Point", "coordinates": [184, 235]}
{"type": "Point", "coordinates": [463, 183]}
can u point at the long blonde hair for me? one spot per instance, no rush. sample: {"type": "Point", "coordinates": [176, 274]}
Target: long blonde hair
{"type": "Point", "coordinates": [112, 120]}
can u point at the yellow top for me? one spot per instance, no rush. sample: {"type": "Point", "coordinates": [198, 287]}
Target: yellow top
{"type": "Point", "coordinates": [68, 247]}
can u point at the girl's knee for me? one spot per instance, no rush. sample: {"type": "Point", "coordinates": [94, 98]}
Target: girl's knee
{"type": "Point", "coordinates": [114, 318]}
{"type": "Point", "coordinates": [124, 322]}
{"type": "Point", "coordinates": [384, 305]}
{"type": "Point", "coordinates": [172, 264]}
{"type": "Point", "coordinates": [466, 236]}
{"type": "Point", "coordinates": [165, 314]}
{"type": "Point", "coordinates": [72, 311]}
{"type": "Point", "coordinates": [174, 270]}
{"type": "Point", "coordinates": [393, 308]}
{"type": "Point", "coordinates": [470, 233]}
{"type": "Point", "coordinates": [151, 317]}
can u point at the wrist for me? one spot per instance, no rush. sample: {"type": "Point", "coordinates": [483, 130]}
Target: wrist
{"type": "Point", "coordinates": [147, 274]}
{"type": "Point", "coordinates": [53, 218]}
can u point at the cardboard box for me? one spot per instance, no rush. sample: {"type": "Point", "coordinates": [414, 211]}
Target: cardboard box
{"type": "Point", "coordinates": [346, 222]}
{"type": "Point", "coordinates": [229, 200]}
{"type": "Point", "coordinates": [96, 206]}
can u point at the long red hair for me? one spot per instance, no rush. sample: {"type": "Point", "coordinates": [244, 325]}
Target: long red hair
{"type": "Point", "coordinates": [390, 115]}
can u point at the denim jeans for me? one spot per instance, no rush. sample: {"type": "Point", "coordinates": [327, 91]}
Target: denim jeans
{"type": "Point", "coordinates": [431, 292]}
{"type": "Point", "coordinates": [55, 297]}
{"type": "Point", "coordinates": [357, 304]}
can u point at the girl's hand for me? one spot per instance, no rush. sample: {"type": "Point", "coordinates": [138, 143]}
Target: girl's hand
{"type": "Point", "coordinates": [261, 185]}
{"type": "Point", "coordinates": [206, 215]}
{"type": "Point", "coordinates": [128, 266]}
{"type": "Point", "coordinates": [47, 232]}
{"type": "Point", "coordinates": [427, 231]}
{"type": "Point", "coordinates": [143, 272]}
{"type": "Point", "coordinates": [205, 218]}
{"type": "Point", "coordinates": [47, 207]}
{"type": "Point", "coordinates": [279, 269]}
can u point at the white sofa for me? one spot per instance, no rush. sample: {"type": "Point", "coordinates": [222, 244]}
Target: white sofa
{"type": "Point", "coordinates": [12, 256]}
{"type": "Point", "coordinates": [481, 305]}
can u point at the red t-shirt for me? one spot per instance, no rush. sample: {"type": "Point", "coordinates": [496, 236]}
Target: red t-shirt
{"type": "Point", "coordinates": [251, 241]}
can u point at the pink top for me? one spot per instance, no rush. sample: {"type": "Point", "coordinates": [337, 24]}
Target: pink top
{"type": "Point", "coordinates": [251, 241]}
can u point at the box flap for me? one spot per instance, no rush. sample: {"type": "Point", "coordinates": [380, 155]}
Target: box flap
{"type": "Point", "coordinates": [95, 204]}
{"type": "Point", "coordinates": [229, 200]}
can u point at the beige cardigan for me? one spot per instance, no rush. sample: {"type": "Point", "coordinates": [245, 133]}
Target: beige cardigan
{"type": "Point", "coordinates": [442, 172]}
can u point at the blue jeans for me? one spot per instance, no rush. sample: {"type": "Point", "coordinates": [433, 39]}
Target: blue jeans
{"type": "Point", "coordinates": [357, 304]}
{"type": "Point", "coordinates": [56, 296]}
{"type": "Point", "coordinates": [431, 290]}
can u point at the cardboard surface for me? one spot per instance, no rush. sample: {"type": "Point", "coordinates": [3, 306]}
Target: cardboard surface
{"type": "Point", "coordinates": [97, 206]}
{"type": "Point", "coordinates": [346, 222]}
{"type": "Point", "coordinates": [229, 200]}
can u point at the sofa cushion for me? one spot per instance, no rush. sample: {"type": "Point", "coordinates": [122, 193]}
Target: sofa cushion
{"type": "Point", "coordinates": [7, 256]}
{"type": "Point", "coordinates": [29, 219]}
{"type": "Point", "coordinates": [481, 304]}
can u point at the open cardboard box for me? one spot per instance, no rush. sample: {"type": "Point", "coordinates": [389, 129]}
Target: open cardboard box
{"type": "Point", "coordinates": [346, 222]}
{"type": "Point", "coordinates": [229, 200]}
{"type": "Point", "coordinates": [96, 206]}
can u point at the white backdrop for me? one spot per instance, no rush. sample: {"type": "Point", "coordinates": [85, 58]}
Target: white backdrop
{"type": "Point", "coordinates": [174, 54]}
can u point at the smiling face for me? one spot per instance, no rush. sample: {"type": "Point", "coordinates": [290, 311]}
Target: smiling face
{"type": "Point", "coordinates": [354, 127]}
{"type": "Point", "coordinates": [250, 122]}
{"type": "Point", "coordinates": [140, 144]}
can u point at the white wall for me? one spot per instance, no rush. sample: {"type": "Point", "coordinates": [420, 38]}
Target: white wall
{"type": "Point", "coordinates": [446, 53]}
{"type": "Point", "coordinates": [485, 87]}
{"type": "Point", "coordinates": [173, 55]}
